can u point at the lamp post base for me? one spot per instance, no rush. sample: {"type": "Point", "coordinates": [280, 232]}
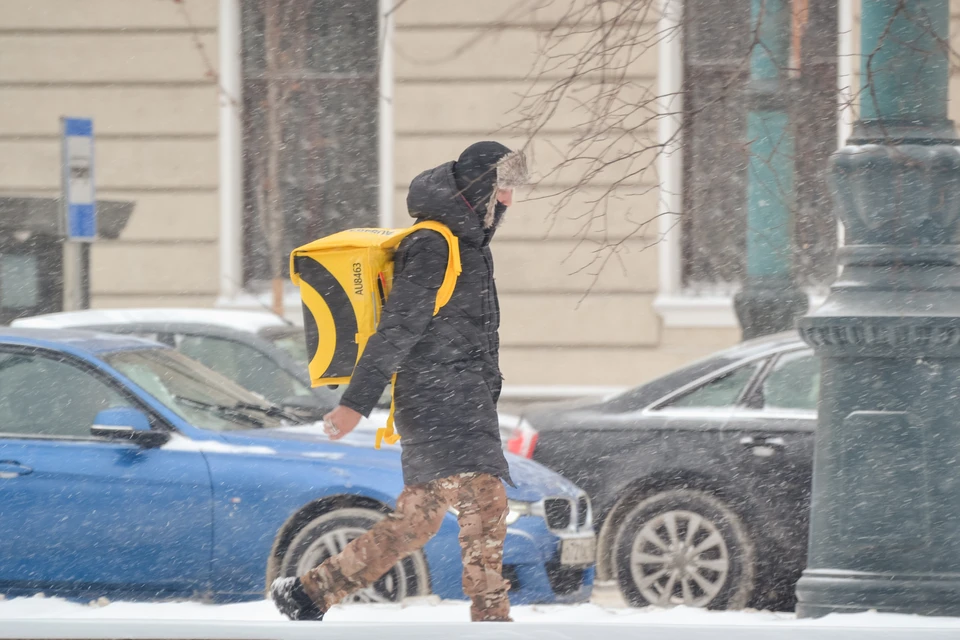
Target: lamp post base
{"type": "Point", "coordinates": [820, 592]}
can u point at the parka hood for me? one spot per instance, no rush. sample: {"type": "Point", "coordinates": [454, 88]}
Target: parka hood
{"type": "Point", "coordinates": [434, 195]}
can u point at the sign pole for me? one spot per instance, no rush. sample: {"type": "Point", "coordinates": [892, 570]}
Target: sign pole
{"type": "Point", "coordinates": [78, 201]}
{"type": "Point", "coordinates": [72, 276]}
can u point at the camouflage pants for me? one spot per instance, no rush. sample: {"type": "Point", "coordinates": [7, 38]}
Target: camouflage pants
{"type": "Point", "coordinates": [481, 503]}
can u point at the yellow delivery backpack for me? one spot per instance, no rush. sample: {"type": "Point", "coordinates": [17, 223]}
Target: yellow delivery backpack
{"type": "Point", "coordinates": [344, 281]}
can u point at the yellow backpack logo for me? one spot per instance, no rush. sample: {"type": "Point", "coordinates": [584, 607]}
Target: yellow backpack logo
{"type": "Point", "coordinates": [344, 281]}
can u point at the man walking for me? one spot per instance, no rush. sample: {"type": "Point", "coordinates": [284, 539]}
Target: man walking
{"type": "Point", "coordinates": [447, 387]}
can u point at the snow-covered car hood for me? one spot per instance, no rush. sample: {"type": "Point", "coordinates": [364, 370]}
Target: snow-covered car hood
{"type": "Point", "coordinates": [533, 481]}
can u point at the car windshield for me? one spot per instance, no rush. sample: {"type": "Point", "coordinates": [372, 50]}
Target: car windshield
{"type": "Point", "coordinates": [200, 396]}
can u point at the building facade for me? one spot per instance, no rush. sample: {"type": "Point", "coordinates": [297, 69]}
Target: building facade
{"type": "Point", "coordinates": [374, 93]}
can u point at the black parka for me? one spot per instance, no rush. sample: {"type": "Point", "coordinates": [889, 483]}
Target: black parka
{"type": "Point", "coordinates": [448, 374]}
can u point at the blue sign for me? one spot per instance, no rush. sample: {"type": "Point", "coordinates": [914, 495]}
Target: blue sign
{"type": "Point", "coordinates": [79, 194]}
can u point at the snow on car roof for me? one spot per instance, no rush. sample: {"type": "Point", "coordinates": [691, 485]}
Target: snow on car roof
{"type": "Point", "coordinates": [246, 321]}
{"type": "Point", "coordinates": [88, 341]}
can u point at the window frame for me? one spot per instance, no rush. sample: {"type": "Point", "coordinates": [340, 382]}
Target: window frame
{"type": "Point", "coordinates": [179, 335]}
{"type": "Point", "coordinates": [250, 278]}
{"type": "Point", "coordinates": [157, 422]}
{"type": "Point", "coordinates": [659, 406]}
{"type": "Point", "coordinates": [749, 406]}
{"type": "Point", "coordinates": [677, 306]}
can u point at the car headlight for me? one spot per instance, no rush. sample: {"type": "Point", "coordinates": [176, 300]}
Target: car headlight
{"type": "Point", "coordinates": [516, 509]}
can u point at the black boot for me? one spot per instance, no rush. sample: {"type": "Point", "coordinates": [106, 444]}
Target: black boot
{"type": "Point", "coordinates": [292, 601]}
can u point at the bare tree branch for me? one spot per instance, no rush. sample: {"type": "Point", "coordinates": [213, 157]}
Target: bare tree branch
{"type": "Point", "coordinates": [588, 73]}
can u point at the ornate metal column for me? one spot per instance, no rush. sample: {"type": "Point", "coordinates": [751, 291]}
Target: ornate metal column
{"type": "Point", "coordinates": [769, 301]}
{"type": "Point", "coordinates": [885, 521]}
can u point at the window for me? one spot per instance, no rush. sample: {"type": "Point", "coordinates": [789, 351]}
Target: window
{"type": "Point", "coordinates": [46, 396]}
{"type": "Point", "coordinates": [244, 365]}
{"type": "Point", "coordinates": [717, 45]}
{"type": "Point", "coordinates": [719, 392]}
{"type": "Point", "coordinates": [19, 281]}
{"type": "Point", "coordinates": [794, 383]}
{"type": "Point", "coordinates": [30, 269]}
{"type": "Point", "coordinates": [310, 125]}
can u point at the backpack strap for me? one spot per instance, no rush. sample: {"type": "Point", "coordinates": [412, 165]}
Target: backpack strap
{"type": "Point", "coordinates": [388, 433]}
{"type": "Point", "coordinates": [454, 268]}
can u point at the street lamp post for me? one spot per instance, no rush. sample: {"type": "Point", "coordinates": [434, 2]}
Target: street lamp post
{"type": "Point", "coordinates": [885, 518]}
{"type": "Point", "coordinates": [769, 301]}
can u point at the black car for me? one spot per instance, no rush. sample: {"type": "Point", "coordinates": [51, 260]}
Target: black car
{"type": "Point", "coordinates": [700, 479]}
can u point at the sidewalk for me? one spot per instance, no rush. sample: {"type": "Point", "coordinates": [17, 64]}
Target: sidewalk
{"type": "Point", "coordinates": [32, 618]}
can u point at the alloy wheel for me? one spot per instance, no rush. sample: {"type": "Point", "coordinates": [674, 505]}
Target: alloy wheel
{"type": "Point", "coordinates": [392, 587]}
{"type": "Point", "coordinates": [679, 558]}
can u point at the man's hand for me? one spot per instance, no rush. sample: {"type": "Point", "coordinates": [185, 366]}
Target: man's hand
{"type": "Point", "coordinates": [341, 421]}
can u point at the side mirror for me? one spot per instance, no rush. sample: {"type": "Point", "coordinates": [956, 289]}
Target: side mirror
{"type": "Point", "coordinates": [309, 407]}
{"type": "Point", "coordinates": [126, 423]}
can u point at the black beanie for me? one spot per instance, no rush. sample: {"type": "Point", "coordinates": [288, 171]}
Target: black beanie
{"type": "Point", "coordinates": [476, 172]}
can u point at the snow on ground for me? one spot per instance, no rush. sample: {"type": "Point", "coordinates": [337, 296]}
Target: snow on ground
{"type": "Point", "coordinates": [433, 610]}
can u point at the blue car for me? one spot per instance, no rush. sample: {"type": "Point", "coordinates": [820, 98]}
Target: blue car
{"type": "Point", "coordinates": [128, 470]}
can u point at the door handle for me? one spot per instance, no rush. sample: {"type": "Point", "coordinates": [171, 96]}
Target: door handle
{"type": "Point", "coordinates": [12, 469]}
{"type": "Point", "coordinates": [763, 446]}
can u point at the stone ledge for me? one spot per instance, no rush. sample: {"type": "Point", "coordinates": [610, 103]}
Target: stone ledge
{"type": "Point", "coordinates": [891, 337]}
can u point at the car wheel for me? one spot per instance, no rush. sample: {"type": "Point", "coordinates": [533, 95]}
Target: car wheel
{"type": "Point", "coordinates": [328, 534]}
{"type": "Point", "coordinates": [685, 547]}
